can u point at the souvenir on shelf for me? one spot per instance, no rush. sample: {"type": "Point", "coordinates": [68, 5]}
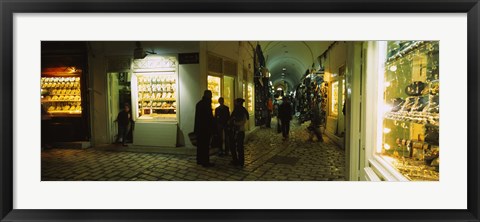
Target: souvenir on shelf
{"type": "Point", "coordinates": [154, 97]}
{"type": "Point", "coordinates": [61, 95]}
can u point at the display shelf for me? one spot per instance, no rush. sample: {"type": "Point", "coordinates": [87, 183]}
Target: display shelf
{"type": "Point", "coordinates": [419, 118]}
{"type": "Point", "coordinates": [157, 100]}
{"type": "Point", "coordinates": [159, 108]}
{"type": "Point", "coordinates": [414, 169]}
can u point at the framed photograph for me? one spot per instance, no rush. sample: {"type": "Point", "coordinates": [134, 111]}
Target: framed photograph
{"type": "Point", "coordinates": [242, 111]}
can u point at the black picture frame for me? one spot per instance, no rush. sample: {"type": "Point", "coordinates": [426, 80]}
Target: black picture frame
{"type": "Point", "coordinates": [9, 7]}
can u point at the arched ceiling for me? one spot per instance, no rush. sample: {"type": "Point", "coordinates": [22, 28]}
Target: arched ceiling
{"type": "Point", "coordinates": [293, 56]}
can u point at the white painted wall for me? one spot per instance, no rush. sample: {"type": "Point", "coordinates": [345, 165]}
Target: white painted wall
{"type": "Point", "coordinates": [190, 92]}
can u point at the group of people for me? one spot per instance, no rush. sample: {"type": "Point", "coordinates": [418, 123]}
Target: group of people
{"type": "Point", "coordinates": [228, 128]}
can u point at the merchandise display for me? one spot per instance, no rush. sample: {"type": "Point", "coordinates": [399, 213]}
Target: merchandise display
{"type": "Point", "coordinates": [61, 95]}
{"type": "Point", "coordinates": [411, 117]}
{"type": "Point", "coordinates": [249, 99]}
{"type": "Point", "coordinates": [228, 92]}
{"type": "Point", "coordinates": [157, 95]}
{"type": "Point", "coordinates": [261, 83]}
{"type": "Point", "coordinates": [214, 84]}
{"type": "Point", "coordinates": [334, 103]}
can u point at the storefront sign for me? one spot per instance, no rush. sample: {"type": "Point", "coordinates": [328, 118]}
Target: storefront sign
{"type": "Point", "coordinates": [188, 58]}
{"type": "Point", "coordinates": [155, 62]}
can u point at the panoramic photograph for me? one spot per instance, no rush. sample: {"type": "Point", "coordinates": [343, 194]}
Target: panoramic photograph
{"type": "Point", "coordinates": [240, 110]}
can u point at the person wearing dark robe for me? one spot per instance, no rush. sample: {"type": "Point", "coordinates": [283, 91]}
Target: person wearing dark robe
{"type": "Point", "coordinates": [204, 128]}
{"type": "Point", "coordinates": [285, 116]}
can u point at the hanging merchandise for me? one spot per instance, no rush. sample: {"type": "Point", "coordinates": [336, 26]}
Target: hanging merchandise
{"type": "Point", "coordinates": [261, 87]}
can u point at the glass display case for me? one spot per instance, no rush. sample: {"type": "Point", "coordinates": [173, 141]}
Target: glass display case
{"type": "Point", "coordinates": [214, 84]}
{"type": "Point", "coordinates": [410, 115]}
{"type": "Point", "coordinates": [61, 92]}
{"type": "Point", "coordinates": [156, 95]}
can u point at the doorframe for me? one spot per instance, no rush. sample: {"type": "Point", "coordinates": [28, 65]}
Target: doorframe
{"type": "Point", "coordinates": [115, 64]}
{"type": "Point", "coordinates": [353, 120]}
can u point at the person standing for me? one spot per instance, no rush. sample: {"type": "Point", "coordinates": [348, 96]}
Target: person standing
{"type": "Point", "coordinates": [204, 128]}
{"type": "Point", "coordinates": [269, 112]}
{"type": "Point", "coordinates": [315, 124]}
{"type": "Point", "coordinates": [239, 118]}
{"type": "Point", "coordinates": [222, 114]}
{"type": "Point", "coordinates": [124, 120]}
{"type": "Point", "coordinates": [285, 116]}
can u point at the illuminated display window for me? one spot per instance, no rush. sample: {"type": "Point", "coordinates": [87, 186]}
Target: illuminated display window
{"type": "Point", "coordinates": [250, 98]}
{"type": "Point", "coordinates": [61, 91]}
{"type": "Point", "coordinates": [214, 85]}
{"type": "Point", "coordinates": [156, 95]}
{"type": "Point", "coordinates": [334, 96]}
{"type": "Point", "coordinates": [228, 91]}
{"type": "Point", "coordinates": [410, 111]}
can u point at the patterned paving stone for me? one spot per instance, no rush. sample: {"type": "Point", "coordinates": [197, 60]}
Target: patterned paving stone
{"type": "Point", "coordinates": [267, 158]}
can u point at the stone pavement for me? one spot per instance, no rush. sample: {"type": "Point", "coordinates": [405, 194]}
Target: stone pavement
{"type": "Point", "coordinates": [267, 157]}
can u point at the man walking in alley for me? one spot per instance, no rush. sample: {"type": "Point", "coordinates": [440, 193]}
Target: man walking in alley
{"type": "Point", "coordinates": [239, 118]}
{"type": "Point", "coordinates": [204, 128]}
{"type": "Point", "coordinates": [315, 123]}
{"type": "Point", "coordinates": [222, 114]}
{"type": "Point", "coordinates": [285, 116]}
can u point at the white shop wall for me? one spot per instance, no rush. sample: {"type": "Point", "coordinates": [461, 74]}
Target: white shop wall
{"type": "Point", "coordinates": [190, 92]}
{"type": "Point", "coordinates": [101, 51]}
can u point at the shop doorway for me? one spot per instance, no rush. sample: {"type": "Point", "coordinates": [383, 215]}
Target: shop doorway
{"type": "Point", "coordinates": [119, 94]}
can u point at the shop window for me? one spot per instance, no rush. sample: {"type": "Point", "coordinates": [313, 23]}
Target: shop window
{"type": "Point", "coordinates": [61, 91]}
{"type": "Point", "coordinates": [250, 98]}
{"type": "Point", "coordinates": [214, 85]}
{"type": "Point", "coordinates": [334, 95]}
{"type": "Point", "coordinates": [156, 94]}
{"type": "Point", "coordinates": [228, 91]}
{"type": "Point", "coordinates": [410, 112]}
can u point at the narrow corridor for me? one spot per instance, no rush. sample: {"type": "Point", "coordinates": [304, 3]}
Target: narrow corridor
{"type": "Point", "coordinates": [267, 158]}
